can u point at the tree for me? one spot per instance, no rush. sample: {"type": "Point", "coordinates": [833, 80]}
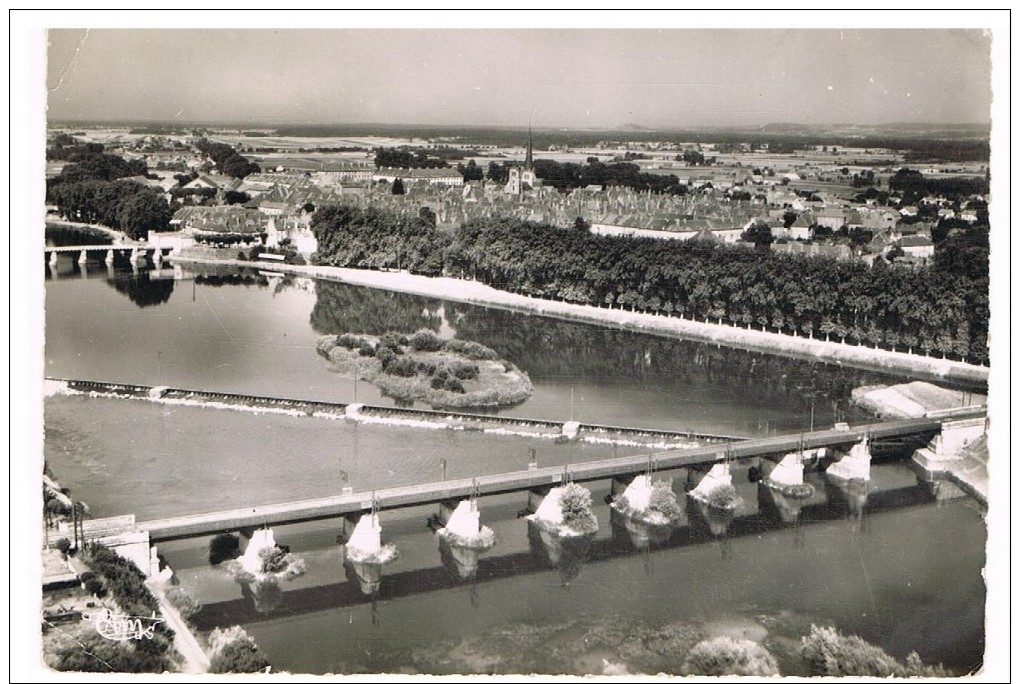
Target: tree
{"type": "Point", "coordinates": [498, 173]}
{"type": "Point", "coordinates": [428, 216]}
{"type": "Point", "coordinates": [760, 234]}
{"type": "Point", "coordinates": [471, 171]}
{"type": "Point", "coordinates": [397, 188]}
{"type": "Point", "coordinates": [143, 212]}
{"type": "Point", "coordinates": [235, 197]}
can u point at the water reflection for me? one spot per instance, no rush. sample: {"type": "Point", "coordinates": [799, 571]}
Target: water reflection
{"type": "Point", "coordinates": [639, 534]}
{"type": "Point", "coordinates": [567, 556]}
{"type": "Point", "coordinates": [266, 596]}
{"type": "Point", "coordinates": [546, 347]}
{"type": "Point", "coordinates": [565, 553]}
{"type": "Point", "coordinates": [141, 289]}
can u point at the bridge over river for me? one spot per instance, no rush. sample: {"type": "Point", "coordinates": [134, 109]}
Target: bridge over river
{"type": "Point", "coordinates": [352, 505]}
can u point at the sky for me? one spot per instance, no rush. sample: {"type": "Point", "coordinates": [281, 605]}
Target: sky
{"type": "Point", "coordinates": [585, 78]}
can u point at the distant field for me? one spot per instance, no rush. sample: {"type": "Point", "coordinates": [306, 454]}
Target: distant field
{"type": "Point", "coordinates": [312, 162]}
{"type": "Point", "coordinates": [295, 143]}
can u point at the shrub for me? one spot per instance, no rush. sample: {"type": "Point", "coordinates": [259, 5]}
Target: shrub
{"type": "Point", "coordinates": [349, 341]}
{"type": "Point", "coordinates": [425, 340]}
{"type": "Point", "coordinates": [827, 652]}
{"type": "Point", "coordinates": [63, 545]}
{"type": "Point", "coordinates": [723, 497]}
{"type": "Point", "coordinates": [464, 371]}
{"type": "Point", "coordinates": [453, 385]}
{"type": "Point", "coordinates": [428, 367]}
{"type": "Point", "coordinates": [366, 348]}
{"type": "Point", "coordinates": [93, 653]}
{"type": "Point", "coordinates": [663, 500]}
{"type": "Point", "coordinates": [394, 341]}
{"type": "Point", "coordinates": [402, 367]}
{"type": "Point", "coordinates": [233, 651]}
{"type": "Point", "coordinates": [437, 382]}
{"type": "Point", "coordinates": [223, 547]}
{"type": "Point", "coordinates": [384, 354]}
{"type": "Point", "coordinates": [86, 576]}
{"type": "Point", "coordinates": [575, 502]}
{"type": "Point", "coordinates": [94, 586]}
{"type": "Point", "coordinates": [472, 350]}
{"type": "Point", "coordinates": [727, 656]}
{"type": "Point", "coordinates": [274, 559]}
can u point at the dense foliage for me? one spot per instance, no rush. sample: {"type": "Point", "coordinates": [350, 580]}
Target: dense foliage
{"type": "Point", "coordinates": [423, 366]}
{"type": "Point", "coordinates": [234, 652]}
{"type": "Point", "coordinates": [370, 238]}
{"type": "Point", "coordinates": [227, 159]}
{"type": "Point", "coordinates": [126, 584]}
{"type": "Point", "coordinates": [575, 503]}
{"type": "Point", "coordinates": [403, 158]}
{"type": "Point", "coordinates": [124, 205]}
{"type": "Point", "coordinates": [725, 655]}
{"type": "Point", "coordinates": [567, 176]}
{"type": "Point", "coordinates": [925, 309]}
{"type": "Point", "coordinates": [829, 653]}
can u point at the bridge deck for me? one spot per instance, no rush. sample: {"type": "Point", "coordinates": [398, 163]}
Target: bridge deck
{"type": "Point", "coordinates": [124, 246]}
{"type": "Point", "coordinates": [434, 492]}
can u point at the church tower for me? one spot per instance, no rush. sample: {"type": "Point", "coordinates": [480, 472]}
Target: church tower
{"type": "Point", "coordinates": [528, 176]}
{"type": "Point", "coordinates": [523, 176]}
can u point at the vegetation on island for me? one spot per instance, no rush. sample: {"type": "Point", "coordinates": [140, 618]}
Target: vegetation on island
{"type": "Point", "coordinates": [663, 501]}
{"type": "Point", "coordinates": [576, 505]}
{"type": "Point", "coordinates": [424, 367]}
{"type": "Point", "coordinates": [723, 498]}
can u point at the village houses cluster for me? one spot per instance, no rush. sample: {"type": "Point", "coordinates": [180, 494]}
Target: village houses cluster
{"type": "Point", "coordinates": [807, 203]}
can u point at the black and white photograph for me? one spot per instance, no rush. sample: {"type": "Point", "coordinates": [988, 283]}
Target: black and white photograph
{"type": "Point", "coordinates": [613, 344]}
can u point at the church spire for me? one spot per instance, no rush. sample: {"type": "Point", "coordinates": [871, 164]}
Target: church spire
{"type": "Point", "coordinates": [528, 160]}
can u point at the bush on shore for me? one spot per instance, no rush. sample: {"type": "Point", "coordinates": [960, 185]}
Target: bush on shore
{"type": "Point", "coordinates": [728, 656]}
{"type": "Point", "coordinates": [829, 653]}
{"type": "Point", "coordinates": [232, 651]}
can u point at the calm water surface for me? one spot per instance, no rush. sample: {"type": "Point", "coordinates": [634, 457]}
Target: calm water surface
{"type": "Point", "coordinates": [896, 567]}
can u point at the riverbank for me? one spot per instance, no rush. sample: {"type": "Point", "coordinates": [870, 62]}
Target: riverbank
{"type": "Point", "coordinates": [473, 292]}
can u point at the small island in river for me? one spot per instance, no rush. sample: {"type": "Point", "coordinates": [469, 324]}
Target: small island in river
{"type": "Point", "coordinates": [446, 374]}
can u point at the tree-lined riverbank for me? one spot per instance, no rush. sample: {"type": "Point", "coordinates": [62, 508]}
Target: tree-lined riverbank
{"type": "Point", "coordinates": [474, 292]}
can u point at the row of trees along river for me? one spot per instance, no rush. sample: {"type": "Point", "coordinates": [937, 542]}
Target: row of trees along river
{"type": "Point", "coordinates": [925, 309]}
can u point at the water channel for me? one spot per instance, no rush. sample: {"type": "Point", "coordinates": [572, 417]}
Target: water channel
{"type": "Point", "coordinates": [894, 566]}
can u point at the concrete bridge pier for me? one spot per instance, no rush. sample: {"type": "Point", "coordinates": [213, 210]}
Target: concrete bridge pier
{"type": "Point", "coordinates": [53, 259]}
{"type": "Point", "coordinates": [109, 257]}
{"type": "Point", "coordinates": [618, 485]}
{"type": "Point", "coordinates": [535, 498]}
{"type": "Point", "coordinates": [83, 257]}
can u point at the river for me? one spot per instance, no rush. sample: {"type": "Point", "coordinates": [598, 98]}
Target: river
{"type": "Point", "coordinates": [900, 569]}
